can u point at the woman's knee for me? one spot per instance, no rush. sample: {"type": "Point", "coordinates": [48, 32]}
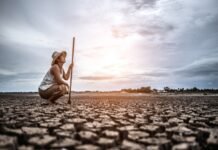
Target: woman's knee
{"type": "Point", "coordinates": [63, 88]}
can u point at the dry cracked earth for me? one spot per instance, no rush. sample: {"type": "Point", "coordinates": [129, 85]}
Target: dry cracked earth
{"type": "Point", "coordinates": [113, 121]}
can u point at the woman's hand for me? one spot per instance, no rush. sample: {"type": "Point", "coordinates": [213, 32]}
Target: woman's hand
{"type": "Point", "coordinates": [66, 85]}
{"type": "Point", "coordinates": [71, 65]}
{"type": "Point", "coordinates": [70, 68]}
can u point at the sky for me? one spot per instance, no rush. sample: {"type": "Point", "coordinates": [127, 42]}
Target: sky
{"type": "Point", "coordinates": [119, 43]}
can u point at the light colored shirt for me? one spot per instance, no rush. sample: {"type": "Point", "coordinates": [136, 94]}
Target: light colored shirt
{"type": "Point", "coordinates": [48, 80]}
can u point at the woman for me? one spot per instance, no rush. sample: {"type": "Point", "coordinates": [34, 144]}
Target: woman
{"type": "Point", "coordinates": [53, 85]}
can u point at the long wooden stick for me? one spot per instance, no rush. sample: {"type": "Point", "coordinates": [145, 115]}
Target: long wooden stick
{"type": "Point", "coordinates": [71, 73]}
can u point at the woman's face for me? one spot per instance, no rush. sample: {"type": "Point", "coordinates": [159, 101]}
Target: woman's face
{"type": "Point", "coordinates": [62, 59]}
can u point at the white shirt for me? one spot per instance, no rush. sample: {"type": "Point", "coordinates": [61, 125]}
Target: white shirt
{"type": "Point", "coordinates": [48, 80]}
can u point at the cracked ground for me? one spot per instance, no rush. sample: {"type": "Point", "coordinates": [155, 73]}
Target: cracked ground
{"type": "Point", "coordinates": [109, 121]}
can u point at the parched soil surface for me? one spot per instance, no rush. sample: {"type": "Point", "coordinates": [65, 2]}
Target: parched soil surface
{"type": "Point", "coordinates": [109, 121]}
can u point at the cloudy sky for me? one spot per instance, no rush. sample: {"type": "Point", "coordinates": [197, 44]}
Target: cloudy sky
{"type": "Point", "coordinates": [119, 43]}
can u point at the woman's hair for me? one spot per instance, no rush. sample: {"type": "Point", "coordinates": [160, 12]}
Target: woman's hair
{"type": "Point", "coordinates": [56, 61]}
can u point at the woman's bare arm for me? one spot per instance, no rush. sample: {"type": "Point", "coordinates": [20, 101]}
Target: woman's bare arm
{"type": "Point", "coordinates": [55, 70]}
{"type": "Point", "coordinates": [67, 75]}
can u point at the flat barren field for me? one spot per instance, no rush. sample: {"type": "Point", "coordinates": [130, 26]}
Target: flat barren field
{"type": "Point", "coordinates": [109, 121]}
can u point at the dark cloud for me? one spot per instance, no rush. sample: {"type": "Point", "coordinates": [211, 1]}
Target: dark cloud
{"type": "Point", "coordinates": [156, 29]}
{"type": "Point", "coordinates": [200, 34]}
{"type": "Point", "coordinates": [20, 77]}
{"type": "Point", "coordinates": [145, 29]}
{"type": "Point", "coordinates": [20, 82]}
{"type": "Point", "coordinates": [207, 68]}
{"type": "Point", "coordinates": [156, 74]}
{"type": "Point", "coordinates": [142, 4]}
{"type": "Point", "coordinates": [22, 58]}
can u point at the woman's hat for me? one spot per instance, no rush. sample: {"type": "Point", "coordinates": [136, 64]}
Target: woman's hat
{"type": "Point", "coordinates": [56, 54]}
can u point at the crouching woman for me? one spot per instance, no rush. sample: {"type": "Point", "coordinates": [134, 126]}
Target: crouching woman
{"type": "Point", "coordinates": [53, 85]}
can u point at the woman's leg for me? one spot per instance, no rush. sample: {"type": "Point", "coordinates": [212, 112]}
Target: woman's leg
{"type": "Point", "coordinates": [55, 96]}
{"type": "Point", "coordinates": [57, 92]}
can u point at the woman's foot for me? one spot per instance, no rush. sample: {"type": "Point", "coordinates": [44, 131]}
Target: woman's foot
{"type": "Point", "coordinates": [54, 97]}
{"type": "Point", "coordinates": [52, 102]}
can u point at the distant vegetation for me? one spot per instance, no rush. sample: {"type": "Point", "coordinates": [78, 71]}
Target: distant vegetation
{"type": "Point", "coordinates": [140, 90]}
{"type": "Point", "coordinates": [190, 90]}
{"type": "Point", "coordinates": [148, 89]}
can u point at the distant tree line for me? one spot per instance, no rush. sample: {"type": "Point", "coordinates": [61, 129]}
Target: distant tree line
{"type": "Point", "coordinates": [190, 90]}
{"type": "Point", "coordinates": [147, 89]}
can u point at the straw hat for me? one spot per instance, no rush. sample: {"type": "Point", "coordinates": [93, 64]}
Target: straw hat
{"type": "Point", "coordinates": [56, 54]}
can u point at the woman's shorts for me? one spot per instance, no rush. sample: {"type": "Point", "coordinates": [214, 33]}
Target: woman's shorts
{"type": "Point", "coordinates": [43, 94]}
{"type": "Point", "coordinates": [50, 91]}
